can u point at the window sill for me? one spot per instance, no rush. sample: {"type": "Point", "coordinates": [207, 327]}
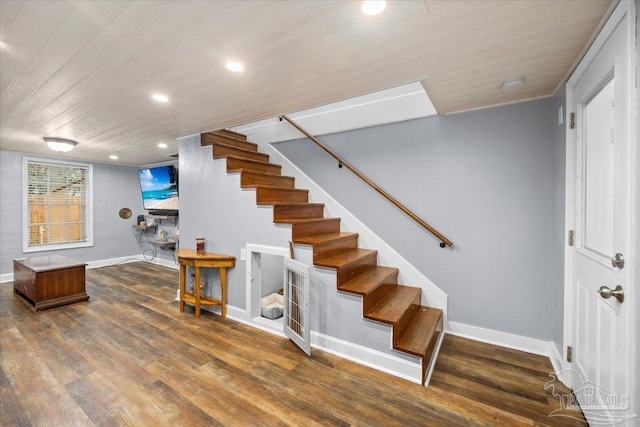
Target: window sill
{"type": "Point", "coordinates": [57, 247]}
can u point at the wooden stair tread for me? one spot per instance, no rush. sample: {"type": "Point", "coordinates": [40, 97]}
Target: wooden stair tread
{"type": "Point", "coordinates": [254, 186]}
{"type": "Point", "coordinates": [230, 134]}
{"type": "Point", "coordinates": [211, 138]}
{"type": "Point", "coordinates": [368, 280]}
{"type": "Point", "coordinates": [239, 164]}
{"type": "Point", "coordinates": [268, 174]}
{"type": "Point", "coordinates": [250, 160]}
{"type": "Point", "coordinates": [314, 226]}
{"type": "Point", "coordinates": [267, 195]}
{"type": "Point", "coordinates": [222, 144]}
{"type": "Point", "coordinates": [274, 188]}
{"type": "Point", "coordinates": [312, 220]}
{"type": "Point", "coordinates": [322, 238]}
{"type": "Point", "coordinates": [342, 258]}
{"type": "Point", "coordinates": [418, 335]}
{"type": "Point", "coordinates": [394, 305]}
{"type": "Point", "coordinates": [297, 204]}
{"type": "Point", "coordinates": [252, 179]}
{"type": "Point", "coordinates": [222, 150]}
{"type": "Point", "coordinates": [291, 212]}
{"type": "Point", "coordinates": [296, 221]}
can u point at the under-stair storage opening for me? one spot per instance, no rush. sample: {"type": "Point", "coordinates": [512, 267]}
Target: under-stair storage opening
{"type": "Point", "coordinates": [264, 285]}
{"type": "Point", "coordinates": [270, 277]}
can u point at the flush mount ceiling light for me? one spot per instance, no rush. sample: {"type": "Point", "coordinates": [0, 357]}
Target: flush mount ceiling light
{"type": "Point", "coordinates": [236, 67]}
{"type": "Point", "coordinates": [162, 145]}
{"type": "Point", "coordinates": [513, 84]}
{"type": "Point", "coordinates": [160, 97]}
{"type": "Point", "coordinates": [60, 145]}
{"type": "Point", "coordinates": [373, 7]}
{"type": "Point", "coordinates": [113, 157]}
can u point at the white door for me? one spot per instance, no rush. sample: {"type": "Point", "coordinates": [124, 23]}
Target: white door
{"type": "Point", "coordinates": [296, 303]}
{"type": "Point", "coordinates": [601, 292]}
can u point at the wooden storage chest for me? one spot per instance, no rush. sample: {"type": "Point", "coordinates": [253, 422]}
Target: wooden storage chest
{"type": "Point", "coordinates": [49, 281]}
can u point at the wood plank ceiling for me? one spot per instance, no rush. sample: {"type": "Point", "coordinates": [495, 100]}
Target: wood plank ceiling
{"type": "Point", "coordinates": [86, 70]}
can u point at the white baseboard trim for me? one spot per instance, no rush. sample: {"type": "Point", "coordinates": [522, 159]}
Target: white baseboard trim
{"type": "Point", "coordinates": [233, 313]}
{"type": "Point", "coordinates": [504, 339]}
{"type": "Point", "coordinates": [434, 359]}
{"type": "Point", "coordinates": [557, 361]}
{"type": "Point", "coordinates": [384, 362]}
{"type": "Point", "coordinates": [164, 262]}
{"type": "Point", "coordinates": [368, 357]}
{"type": "Point", "coordinates": [134, 258]}
{"type": "Point", "coordinates": [113, 261]}
{"type": "Point", "coordinates": [8, 277]}
{"type": "Point", "coordinates": [516, 342]}
{"type": "Point", "coordinates": [241, 315]}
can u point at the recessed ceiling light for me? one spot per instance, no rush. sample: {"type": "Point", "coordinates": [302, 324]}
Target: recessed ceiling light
{"type": "Point", "coordinates": [159, 97]}
{"type": "Point", "coordinates": [236, 67]}
{"type": "Point", "coordinates": [113, 157]}
{"type": "Point", "coordinates": [373, 7]}
{"type": "Point", "coordinates": [513, 84]}
{"type": "Point", "coordinates": [162, 145]}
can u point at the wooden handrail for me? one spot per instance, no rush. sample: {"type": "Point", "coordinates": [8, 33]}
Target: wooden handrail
{"type": "Point", "coordinates": [403, 208]}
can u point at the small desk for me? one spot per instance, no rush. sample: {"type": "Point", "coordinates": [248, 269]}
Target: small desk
{"type": "Point", "coordinates": [49, 281]}
{"type": "Point", "coordinates": [190, 258]}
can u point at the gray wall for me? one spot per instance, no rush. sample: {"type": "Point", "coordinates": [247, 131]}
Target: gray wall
{"type": "Point", "coordinates": [485, 179]}
{"type": "Point", "coordinates": [213, 206]}
{"type": "Point", "coordinates": [271, 273]}
{"type": "Point", "coordinates": [114, 187]}
{"type": "Point", "coordinates": [150, 252]}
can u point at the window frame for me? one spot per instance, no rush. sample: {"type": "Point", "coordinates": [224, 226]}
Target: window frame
{"type": "Point", "coordinates": [25, 205]}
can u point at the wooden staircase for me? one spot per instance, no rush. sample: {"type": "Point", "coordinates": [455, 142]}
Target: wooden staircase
{"type": "Point", "coordinates": [416, 328]}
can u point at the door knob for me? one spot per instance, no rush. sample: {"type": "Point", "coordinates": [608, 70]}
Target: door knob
{"type": "Point", "coordinates": [617, 260]}
{"type": "Point", "coordinates": [606, 293]}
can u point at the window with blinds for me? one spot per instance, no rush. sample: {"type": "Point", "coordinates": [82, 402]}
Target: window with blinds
{"type": "Point", "coordinates": [57, 205]}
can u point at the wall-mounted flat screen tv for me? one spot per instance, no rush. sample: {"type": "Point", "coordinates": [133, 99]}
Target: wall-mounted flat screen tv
{"type": "Point", "coordinates": [159, 187]}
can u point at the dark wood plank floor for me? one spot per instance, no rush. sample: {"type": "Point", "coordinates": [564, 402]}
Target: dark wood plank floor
{"type": "Point", "coordinates": [129, 357]}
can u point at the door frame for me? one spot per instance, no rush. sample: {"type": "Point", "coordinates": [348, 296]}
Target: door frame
{"type": "Point", "coordinates": [623, 9]}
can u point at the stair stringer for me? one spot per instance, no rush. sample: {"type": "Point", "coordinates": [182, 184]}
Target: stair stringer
{"type": "Point", "coordinates": [432, 295]}
{"type": "Point", "coordinates": [367, 342]}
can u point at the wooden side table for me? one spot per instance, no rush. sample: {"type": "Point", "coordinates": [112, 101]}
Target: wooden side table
{"type": "Point", "coordinates": [190, 258]}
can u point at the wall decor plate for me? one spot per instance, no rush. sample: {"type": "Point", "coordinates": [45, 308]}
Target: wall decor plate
{"type": "Point", "coordinates": [125, 213]}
